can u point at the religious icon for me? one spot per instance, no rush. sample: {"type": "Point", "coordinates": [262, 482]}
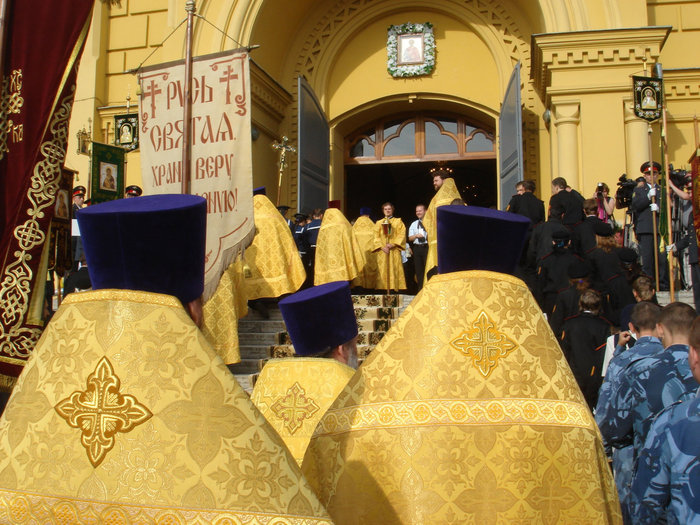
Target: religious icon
{"type": "Point", "coordinates": [125, 134]}
{"type": "Point", "coordinates": [648, 99]}
{"type": "Point", "coordinates": [83, 142]}
{"type": "Point", "coordinates": [61, 209]}
{"type": "Point", "coordinates": [107, 180]}
{"type": "Point", "coordinates": [410, 49]}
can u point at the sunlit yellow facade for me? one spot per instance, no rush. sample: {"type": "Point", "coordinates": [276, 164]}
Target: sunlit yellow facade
{"type": "Point", "coordinates": [577, 58]}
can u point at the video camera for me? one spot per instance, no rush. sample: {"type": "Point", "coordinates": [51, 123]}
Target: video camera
{"type": "Point", "coordinates": [679, 178]}
{"type": "Point", "coordinates": [625, 189]}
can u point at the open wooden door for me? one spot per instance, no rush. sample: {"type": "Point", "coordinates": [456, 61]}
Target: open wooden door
{"type": "Point", "coordinates": [313, 150]}
{"type": "Point", "coordinates": [510, 140]}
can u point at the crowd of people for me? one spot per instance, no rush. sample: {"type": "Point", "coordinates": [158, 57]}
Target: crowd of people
{"type": "Point", "coordinates": [637, 364]}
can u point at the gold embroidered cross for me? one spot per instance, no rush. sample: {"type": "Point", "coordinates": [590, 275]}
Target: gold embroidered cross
{"type": "Point", "coordinates": [294, 408]}
{"type": "Point", "coordinates": [101, 411]}
{"type": "Point", "coordinates": [484, 344]}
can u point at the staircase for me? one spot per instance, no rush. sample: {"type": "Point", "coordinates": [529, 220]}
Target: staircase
{"type": "Point", "coordinates": [262, 338]}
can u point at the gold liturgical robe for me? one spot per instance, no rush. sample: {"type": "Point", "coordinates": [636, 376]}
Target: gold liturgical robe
{"type": "Point", "coordinates": [363, 230]}
{"type": "Point", "coordinates": [444, 196]}
{"type": "Point", "coordinates": [393, 270]}
{"type": "Point", "coordinates": [222, 312]}
{"type": "Point", "coordinates": [466, 412]}
{"type": "Point", "coordinates": [275, 267]}
{"type": "Point", "coordinates": [294, 393]}
{"type": "Point", "coordinates": [338, 255]}
{"type": "Point", "coordinates": [124, 414]}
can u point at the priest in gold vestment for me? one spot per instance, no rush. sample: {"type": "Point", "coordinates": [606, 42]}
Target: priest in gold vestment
{"type": "Point", "coordinates": [294, 393]}
{"type": "Point", "coordinates": [338, 255]}
{"type": "Point", "coordinates": [273, 266]}
{"type": "Point", "coordinates": [222, 312]}
{"type": "Point", "coordinates": [363, 230]}
{"type": "Point", "coordinates": [389, 242]}
{"type": "Point", "coordinates": [447, 191]}
{"type": "Point", "coordinates": [467, 411]}
{"type": "Point", "coordinates": [124, 413]}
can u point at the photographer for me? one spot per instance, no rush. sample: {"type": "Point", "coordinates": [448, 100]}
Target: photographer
{"type": "Point", "coordinates": [689, 240]}
{"type": "Point", "coordinates": [606, 204]}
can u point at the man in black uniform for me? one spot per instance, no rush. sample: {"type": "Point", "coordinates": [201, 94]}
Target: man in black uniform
{"type": "Point", "coordinates": [76, 244]}
{"type": "Point", "coordinates": [526, 203]}
{"type": "Point", "coordinates": [643, 210]}
{"type": "Point", "coordinates": [568, 199]}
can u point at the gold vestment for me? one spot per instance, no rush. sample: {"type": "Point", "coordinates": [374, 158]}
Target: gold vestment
{"type": "Point", "coordinates": [294, 393]}
{"type": "Point", "coordinates": [363, 230]}
{"type": "Point", "coordinates": [466, 412]}
{"type": "Point", "coordinates": [394, 269]}
{"type": "Point", "coordinates": [338, 255]}
{"type": "Point", "coordinates": [124, 414]}
{"type": "Point", "coordinates": [444, 196]}
{"type": "Point", "coordinates": [273, 258]}
{"type": "Point", "coordinates": [222, 312]}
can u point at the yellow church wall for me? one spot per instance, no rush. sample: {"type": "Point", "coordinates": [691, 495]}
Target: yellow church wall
{"type": "Point", "coordinates": [341, 48]}
{"type": "Point", "coordinates": [464, 67]}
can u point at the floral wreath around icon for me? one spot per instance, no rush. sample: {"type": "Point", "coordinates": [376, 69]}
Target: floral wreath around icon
{"type": "Point", "coordinates": [392, 44]}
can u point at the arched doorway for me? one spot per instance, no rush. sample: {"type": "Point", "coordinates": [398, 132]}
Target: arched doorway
{"type": "Point", "coordinates": [390, 160]}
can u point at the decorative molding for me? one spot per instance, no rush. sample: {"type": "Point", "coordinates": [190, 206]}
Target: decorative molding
{"type": "Point", "coordinates": [267, 93]}
{"type": "Point", "coordinates": [593, 49]}
{"type": "Point", "coordinates": [682, 83]}
{"type": "Point", "coordinates": [489, 13]}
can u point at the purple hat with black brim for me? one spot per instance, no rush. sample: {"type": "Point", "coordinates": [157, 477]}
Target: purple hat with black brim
{"type": "Point", "coordinates": [319, 318]}
{"type": "Point", "coordinates": [153, 244]}
{"type": "Point", "coordinates": [474, 238]}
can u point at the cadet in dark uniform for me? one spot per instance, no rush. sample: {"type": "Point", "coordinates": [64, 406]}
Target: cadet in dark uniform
{"type": "Point", "coordinates": [552, 274]}
{"type": "Point", "coordinates": [566, 304]}
{"type": "Point", "coordinates": [585, 232]}
{"type": "Point", "coordinates": [310, 235]}
{"type": "Point", "coordinates": [132, 191]}
{"type": "Point", "coordinates": [583, 342]}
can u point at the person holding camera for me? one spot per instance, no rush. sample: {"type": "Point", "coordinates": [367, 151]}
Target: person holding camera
{"type": "Point", "coordinates": [606, 204]}
{"type": "Point", "coordinates": [688, 241]}
{"type": "Point", "coordinates": [643, 208]}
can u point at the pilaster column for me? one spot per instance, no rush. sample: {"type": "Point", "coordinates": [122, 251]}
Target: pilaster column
{"type": "Point", "coordinates": [566, 119]}
{"type": "Point", "coordinates": [636, 141]}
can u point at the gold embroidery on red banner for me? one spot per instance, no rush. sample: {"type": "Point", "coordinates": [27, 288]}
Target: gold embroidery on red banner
{"type": "Point", "coordinates": [294, 408]}
{"type": "Point", "coordinates": [484, 344]}
{"type": "Point", "coordinates": [101, 411]}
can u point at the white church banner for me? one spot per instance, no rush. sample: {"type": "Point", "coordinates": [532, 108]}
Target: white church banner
{"type": "Point", "coordinates": [221, 165]}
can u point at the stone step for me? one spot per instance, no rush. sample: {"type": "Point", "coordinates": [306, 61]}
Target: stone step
{"type": "Point", "coordinates": [374, 325]}
{"type": "Point", "coordinates": [380, 312]}
{"type": "Point", "coordinates": [247, 366]}
{"type": "Point", "coordinates": [247, 381]}
{"type": "Point", "coordinates": [280, 351]}
{"type": "Point", "coordinates": [260, 338]}
{"type": "Point", "coordinates": [377, 300]}
{"type": "Point", "coordinates": [255, 351]}
{"type": "Point", "coordinates": [247, 325]}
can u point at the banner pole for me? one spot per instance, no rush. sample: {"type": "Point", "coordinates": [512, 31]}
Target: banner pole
{"type": "Point", "coordinates": [190, 8]}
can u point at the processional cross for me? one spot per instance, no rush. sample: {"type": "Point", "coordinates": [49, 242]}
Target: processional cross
{"type": "Point", "coordinates": [283, 147]}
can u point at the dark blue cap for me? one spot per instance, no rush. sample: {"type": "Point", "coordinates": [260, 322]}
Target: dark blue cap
{"type": "Point", "coordinates": [320, 317]}
{"type": "Point", "coordinates": [365, 210]}
{"type": "Point", "coordinates": [154, 244]}
{"type": "Point", "coordinates": [260, 190]}
{"type": "Point", "coordinates": [474, 238]}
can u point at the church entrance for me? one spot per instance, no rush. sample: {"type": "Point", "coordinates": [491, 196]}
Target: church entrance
{"type": "Point", "coordinates": [391, 161]}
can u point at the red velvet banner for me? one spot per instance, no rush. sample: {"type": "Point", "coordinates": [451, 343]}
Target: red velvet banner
{"type": "Point", "coordinates": [40, 56]}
